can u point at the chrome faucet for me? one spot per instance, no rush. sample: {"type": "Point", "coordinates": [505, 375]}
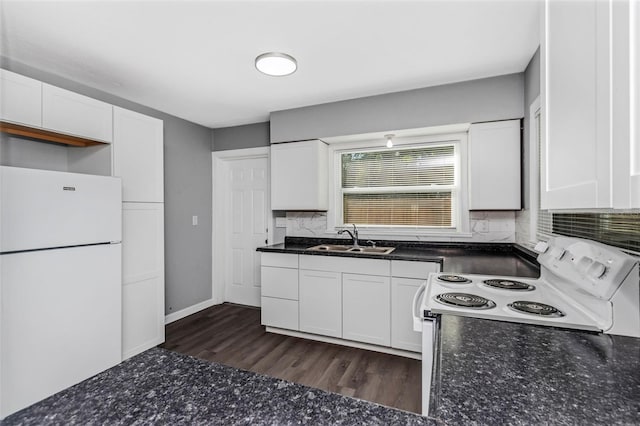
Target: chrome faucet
{"type": "Point", "coordinates": [354, 235]}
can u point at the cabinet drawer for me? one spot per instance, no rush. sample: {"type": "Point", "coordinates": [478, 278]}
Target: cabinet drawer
{"type": "Point", "coordinates": [407, 269]}
{"type": "Point", "coordinates": [280, 282]}
{"type": "Point", "coordinates": [279, 259]}
{"type": "Point", "coordinates": [345, 264]}
{"type": "Point", "coordinates": [280, 313]}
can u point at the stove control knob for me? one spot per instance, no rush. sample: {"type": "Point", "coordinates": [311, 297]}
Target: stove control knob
{"type": "Point", "coordinates": [583, 264]}
{"type": "Point", "coordinates": [596, 270]}
{"type": "Point", "coordinates": [541, 247]}
{"type": "Point", "coordinates": [557, 253]}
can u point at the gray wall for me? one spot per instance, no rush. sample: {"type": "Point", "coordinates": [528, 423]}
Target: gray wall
{"type": "Point", "coordinates": [488, 99]}
{"type": "Point", "coordinates": [240, 137]}
{"type": "Point", "coordinates": [187, 183]}
{"type": "Point", "coordinates": [531, 92]}
{"type": "Point", "coordinates": [20, 152]}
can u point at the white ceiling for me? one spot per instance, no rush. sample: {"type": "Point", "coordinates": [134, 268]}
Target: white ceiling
{"type": "Point", "coordinates": [195, 59]}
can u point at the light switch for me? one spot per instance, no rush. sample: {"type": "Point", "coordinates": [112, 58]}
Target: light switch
{"type": "Point", "coordinates": [194, 220]}
{"type": "Point", "coordinates": [281, 222]}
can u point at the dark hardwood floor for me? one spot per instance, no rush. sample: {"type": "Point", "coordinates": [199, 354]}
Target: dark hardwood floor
{"type": "Point", "coordinates": [232, 335]}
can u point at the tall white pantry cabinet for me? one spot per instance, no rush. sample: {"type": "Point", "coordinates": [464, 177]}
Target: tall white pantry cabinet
{"type": "Point", "coordinates": [138, 160]}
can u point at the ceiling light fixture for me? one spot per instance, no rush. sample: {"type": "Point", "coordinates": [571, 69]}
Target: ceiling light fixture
{"type": "Point", "coordinates": [276, 64]}
{"type": "Point", "coordinates": [389, 140]}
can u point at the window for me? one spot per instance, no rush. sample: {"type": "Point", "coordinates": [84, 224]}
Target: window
{"type": "Point", "coordinates": [410, 186]}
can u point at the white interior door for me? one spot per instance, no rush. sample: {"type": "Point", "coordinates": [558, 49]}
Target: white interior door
{"type": "Point", "coordinates": [247, 223]}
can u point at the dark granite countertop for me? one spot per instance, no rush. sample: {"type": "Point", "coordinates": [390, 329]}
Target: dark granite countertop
{"type": "Point", "coordinates": [504, 259]}
{"type": "Point", "coordinates": [494, 372]}
{"type": "Point", "coordinates": [163, 387]}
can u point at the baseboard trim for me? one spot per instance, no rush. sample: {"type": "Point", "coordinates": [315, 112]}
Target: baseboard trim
{"type": "Point", "coordinates": [175, 316]}
{"type": "Point", "coordinates": [342, 342]}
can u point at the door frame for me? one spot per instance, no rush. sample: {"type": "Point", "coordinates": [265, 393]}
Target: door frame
{"type": "Point", "coordinates": [219, 220]}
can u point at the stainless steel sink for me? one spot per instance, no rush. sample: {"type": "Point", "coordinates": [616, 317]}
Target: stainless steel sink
{"type": "Point", "coordinates": [337, 248]}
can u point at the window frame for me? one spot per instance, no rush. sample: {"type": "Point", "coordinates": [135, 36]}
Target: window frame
{"type": "Point", "coordinates": [460, 215]}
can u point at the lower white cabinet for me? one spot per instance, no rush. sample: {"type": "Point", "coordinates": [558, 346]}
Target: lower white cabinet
{"type": "Point", "coordinates": [361, 300]}
{"type": "Point", "coordinates": [407, 277]}
{"type": "Point", "coordinates": [321, 302]}
{"type": "Point", "coordinates": [279, 290]}
{"type": "Point", "coordinates": [402, 334]}
{"type": "Point", "coordinates": [365, 309]}
{"type": "Point", "coordinates": [281, 313]}
{"type": "Point", "coordinates": [142, 277]}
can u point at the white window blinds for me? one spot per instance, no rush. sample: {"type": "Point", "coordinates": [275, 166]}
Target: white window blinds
{"type": "Point", "coordinates": [400, 187]}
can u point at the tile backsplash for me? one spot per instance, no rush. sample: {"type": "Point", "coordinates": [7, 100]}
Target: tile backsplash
{"type": "Point", "coordinates": [485, 226]}
{"type": "Point", "coordinates": [523, 223]}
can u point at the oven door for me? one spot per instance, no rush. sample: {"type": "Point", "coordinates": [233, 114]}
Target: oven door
{"type": "Point", "coordinates": [428, 326]}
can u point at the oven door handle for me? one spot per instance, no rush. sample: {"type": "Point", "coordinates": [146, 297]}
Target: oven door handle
{"type": "Point", "coordinates": [415, 307]}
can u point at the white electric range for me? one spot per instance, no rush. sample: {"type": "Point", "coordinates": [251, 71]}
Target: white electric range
{"type": "Point", "coordinates": [583, 285]}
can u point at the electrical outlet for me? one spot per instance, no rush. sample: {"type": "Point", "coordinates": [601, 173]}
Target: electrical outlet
{"type": "Point", "coordinates": [281, 222]}
{"type": "Point", "coordinates": [194, 220]}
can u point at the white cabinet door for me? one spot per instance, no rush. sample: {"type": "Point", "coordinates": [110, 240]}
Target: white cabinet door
{"type": "Point", "coordinates": [138, 155]}
{"type": "Point", "coordinates": [321, 302]}
{"type": "Point", "coordinates": [589, 105]}
{"type": "Point", "coordinates": [20, 99]}
{"type": "Point", "coordinates": [366, 310]}
{"type": "Point", "coordinates": [299, 176]}
{"type": "Point", "coordinates": [402, 334]}
{"type": "Point", "coordinates": [576, 140]}
{"type": "Point", "coordinates": [626, 104]}
{"type": "Point", "coordinates": [494, 166]}
{"type": "Point", "coordinates": [635, 118]}
{"type": "Point", "coordinates": [142, 277]}
{"type": "Point", "coordinates": [68, 112]}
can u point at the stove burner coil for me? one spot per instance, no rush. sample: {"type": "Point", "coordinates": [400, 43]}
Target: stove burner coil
{"type": "Point", "coordinates": [509, 285]}
{"type": "Point", "coordinates": [535, 308]}
{"type": "Point", "coordinates": [454, 279]}
{"type": "Point", "coordinates": [464, 300]}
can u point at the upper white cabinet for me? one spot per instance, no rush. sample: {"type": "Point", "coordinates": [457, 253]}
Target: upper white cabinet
{"type": "Point", "coordinates": [494, 166]}
{"type": "Point", "coordinates": [20, 99]}
{"type": "Point", "coordinates": [587, 74]}
{"type": "Point", "coordinates": [299, 176]}
{"type": "Point", "coordinates": [626, 104]}
{"type": "Point", "coordinates": [68, 112]}
{"type": "Point", "coordinates": [138, 155]}
{"type": "Point", "coordinates": [634, 172]}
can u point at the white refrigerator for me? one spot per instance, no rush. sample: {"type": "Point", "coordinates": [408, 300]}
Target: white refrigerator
{"type": "Point", "coordinates": [60, 288]}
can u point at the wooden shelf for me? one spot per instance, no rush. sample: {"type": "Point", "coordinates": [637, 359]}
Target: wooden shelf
{"type": "Point", "coordinates": [46, 135]}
